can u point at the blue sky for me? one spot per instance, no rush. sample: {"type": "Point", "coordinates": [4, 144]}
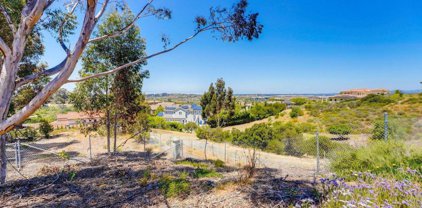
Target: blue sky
{"type": "Point", "coordinates": [307, 46]}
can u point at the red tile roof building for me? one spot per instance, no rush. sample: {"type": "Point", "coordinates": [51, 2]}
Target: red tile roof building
{"type": "Point", "coordinates": [72, 119]}
{"type": "Point", "coordinates": [357, 93]}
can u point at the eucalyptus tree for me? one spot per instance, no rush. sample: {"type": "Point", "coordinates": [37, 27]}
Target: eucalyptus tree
{"type": "Point", "coordinates": [120, 93]}
{"type": "Point", "coordinates": [228, 24]}
{"type": "Point", "coordinates": [218, 100]}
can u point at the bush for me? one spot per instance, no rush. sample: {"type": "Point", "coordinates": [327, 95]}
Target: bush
{"type": "Point", "coordinates": [275, 146]}
{"type": "Point", "coordinates": [175, 126]}
{"type": "Point", "coordinates": [257, 112]}
{"type": "Point", "coordinates": [296, 112]}
{"type": "Point", "coordinates": [397, 129]}
{"type": "Point", "coordinates": [293, 146]}
{"type": "Point", "coordinates": [190, 127]}
{"type": "Point", "coordinates": [377, 99]}
{"type": "Point", "coordinates": [27, 133]}
{"type": "Point", "coordinates": [219, 163]}
{"type": "Point", "coordinates": [299, 101]}
{"type": "Point", "coordinates": [45, 128]}
{"type": "Point", "coordinates": [306, 127]}
{"type": "Point", "coordinates": [157, 122]}
{"type": "Point", "coordinates": [174, 186]}
{"type": "Point", "coordinates": [214, 134]}
{"type": "Point", "coordinates": [340, 130]}
{"type": "Point", "coordinates": [326, 146]}
{"type": "Point", "coordinates": [206, 173]}
{"type": "Point", "coordinates": [381, 158]}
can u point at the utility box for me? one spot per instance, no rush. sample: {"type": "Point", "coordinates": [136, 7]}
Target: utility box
{"type": "Point", "coordinates": [177, 149]}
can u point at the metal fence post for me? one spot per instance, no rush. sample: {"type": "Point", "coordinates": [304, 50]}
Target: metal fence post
{"type": "Point", "coordinates": [385, 126]}
{"type": "Point", "coordinates": [16, 154]}
{"type": "Point", "coordinates": [225, 152]}
{"type": "Point", "coordinates": [317, 151]}
{"type": "Point", "coordinates": [90, 148]}
{"type": "Point", "coordinates": [182, 149]}
{"type": "Point", "coordinates": [19, 154]}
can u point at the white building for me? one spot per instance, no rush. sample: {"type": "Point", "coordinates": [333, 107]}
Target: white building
{"type": "Point", "coordinates": [183, 114]}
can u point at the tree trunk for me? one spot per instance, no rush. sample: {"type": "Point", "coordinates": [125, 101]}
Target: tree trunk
{"type": "Point", "coordinates": [108, 131]}
{"type": "Point", "coordinates": [3, 157]}
{"type": "Point", "coordinates": [115, 133]}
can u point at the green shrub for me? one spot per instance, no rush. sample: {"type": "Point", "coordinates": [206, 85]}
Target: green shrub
{"type": "Point", "coordinates": [381, 158]}
{"type": "Point", "coordinates": [293, 146]}
{"type": "Point", "coordinates": [275, 146]}
{"type": "Point", "coordinates": [397, 129]}
{"type": "Point", "coordinates": [172, 186]}
{"type": "Point", "coordinates": [192, 163]}
{"type": "Point", "coordinates": [340, 130]}
{"type": "Point", "coordinates": [306, 127]}
{"type": "Point", "coordinates": [326, 146]}
{"type": "Point", "coordinates": [377, 99]}
{"type": "Point", "coordinates": [27, 133]}
{"type": "Point", "coordinates": [190, 127]}
{"type": "Point", "coordinates": [63, 155]}
{"type": "Point", "coordinates": [296, 112]}
{"type": "Point", "coordinates": [206, 173]}
{"type": "Point", "coordinates": [45, 128]}
{"type": "Point", "coordinates": [299, 101]}
{"type": "Point", "coordinates": [218, 163]}
{"type": "Point", "coordinates": [175, 126]}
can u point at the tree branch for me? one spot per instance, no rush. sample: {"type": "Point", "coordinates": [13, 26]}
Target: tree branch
{"type": "Point", "coordinates": [47, 72]}
{"type": "Point", "coordinates": [102, 10]}
{"type": "Point", "coordinates": [87, 28]}
{"type": "Point", "coordinates": [65, 48]}
{"type": "Point", "coordinates": [8, 19]}
{"type": "Point", "coordinates": [126, 28]}
{"type": "Point", "coordinates": [4, 48]}
{"type": "Point", "coordinates": [138, 60]}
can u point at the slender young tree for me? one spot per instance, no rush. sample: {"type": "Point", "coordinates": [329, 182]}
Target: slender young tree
{"type": "Point", "coordinates": [119, 93]}
{"type": "Point", "coordinates": [229, 24]}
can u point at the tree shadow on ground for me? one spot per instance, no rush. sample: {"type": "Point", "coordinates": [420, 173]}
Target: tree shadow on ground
{"type": "Point", "coordinates": [48, 146]}
{"type": "Point", "coordinates": [134, 179]}
{"type": "Point", "coordinates": [268, 190]}
{"type": "Point", "coordinates": [105, 182]}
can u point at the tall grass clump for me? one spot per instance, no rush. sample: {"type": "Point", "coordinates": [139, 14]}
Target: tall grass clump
{"type": "Point", "coordinates": [391, 159]}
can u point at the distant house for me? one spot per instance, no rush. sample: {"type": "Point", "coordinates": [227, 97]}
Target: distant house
{"type": "Point", "coordinates": [72, 119]}
{"type": "Point", "coordinates": [183, 114]}
{"type": "Point", "coordinates": [155, 105]}
{"type": "Point", "coordinates": [357, 93]}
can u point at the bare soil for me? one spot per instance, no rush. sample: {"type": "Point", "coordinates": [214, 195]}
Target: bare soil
{"type": "Point", "coordinates": [116, 182]}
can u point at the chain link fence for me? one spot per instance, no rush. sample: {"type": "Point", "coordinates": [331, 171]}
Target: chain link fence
{"type": "Point", "coordinates": [28, 159]}
{"type": "Point", "coordinates": [308, 160]}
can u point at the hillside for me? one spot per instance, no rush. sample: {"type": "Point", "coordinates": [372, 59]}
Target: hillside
{"type": "Point", "coordinates": [405, 113]}
{"type": "Point", "coordinates": [128, 180]}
